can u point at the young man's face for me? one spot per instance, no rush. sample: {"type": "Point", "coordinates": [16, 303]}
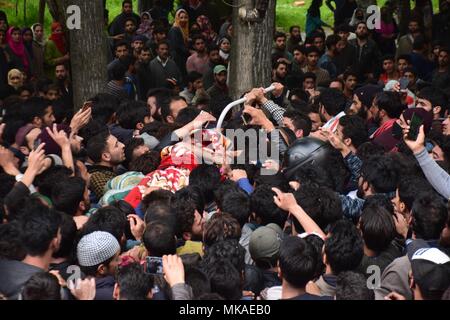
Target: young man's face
{"type": "Point", "coordinates": [402, 64]}
{"type": "Point", "coordinates": [52, 95]}
{"type": "Point", "coordinates": [160, 36]}
{"type": "Point", "coordinates": [199, 45]}
{"type": "Point", "coordinates": [121, 52]}
{"type": "Point", "coordinates": [127, 8]}
{"type": "Point", "coordinates": [25, 95]}
{"type": "Point", "coordinates": [49, 118]}
{"type": "Point", "coordinates": [137, 45]}
{"type": "Point", "coordinates": [130, 27]}
{"type": "Point", "coordinates": [411, 77]}
{"type": "Point", "coordinates": [318, 43]}
{"type": "Point", "coordinates": [361, 31]}
{"type": "Point", "coordinates": [443, 59]}
{"type": "Point", "coordinates": [3, 25]}
{"type": "Point", "coordinates": [151, 104]}
{"type": "Point", "coordinates": [145, 56]}
{"type": "Point", "coordinates": [388, 66]}
{"type": "Point", "coordinates": [312, 59]}
{"type": "Point", "coordinates": [309, 83]}
{"type": "Point", "coordinates": [446, 126]}
{"type": "Point", "coordinates": [280, 43]}
{"type": "Point", "coordinates": [197, 226]}
{"type": "Point", "coordinates": [281, 71]}
{"type": "Point", "coordinates": [344, 35]}
{"type": "Point", "coordinates": [28, 36]}
{"type": "Point", "coordinates": [316, 121]}
{"type": "Point", "coordinates": [375, 111]}
{"type": "Point", "coordinates": [340, 46]}
{"type": "Point", "coordinates": [61, 72]}
{"type": "Point", "coordinates": [175, 108]}
{"type": "Point", "coordinates": [295, 33]}
{"type": "Point", "coordinates": [413, 27]}
{"type": "Point", "coordinates": [221, 78]}
{"type": "Point", "coordinates": [299, 57]}
{"type": "Point", "coordinates": [350, 83]}
{"type": "Point", "coordinates": [115, 150]}
{"type": "Point", "coordinates": [397, 203]}
{"type": "Point", "coordinates": [198, 84]}
{"type": "Point", "coordinates": [214, 56]}
{"type": "Point", "coordinates": [163, 51]}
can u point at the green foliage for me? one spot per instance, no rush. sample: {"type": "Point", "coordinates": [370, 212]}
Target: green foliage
{"type": "Point", "coordinates": [287, 13]}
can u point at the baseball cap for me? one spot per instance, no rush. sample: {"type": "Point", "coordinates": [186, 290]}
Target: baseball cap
{"type": "Point", "coordinates": [96, 248]}
{"type": "Point", "coordinates": [431, 270]}
{"type": "Point", "coordinates": [220, 68]}
{"type": "Point", "coordinates": [265, 242]}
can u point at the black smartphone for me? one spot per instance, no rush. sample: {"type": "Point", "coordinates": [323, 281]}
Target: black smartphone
{"type": "Point", "coordinates": [246, 118]}
{"type": "Point", "coordinates": [414, 127]}
{"type": "Point", "coordinates": [153, 265]}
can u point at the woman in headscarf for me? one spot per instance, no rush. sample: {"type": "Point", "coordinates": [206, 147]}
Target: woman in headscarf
{"type": "Point", "coordinates": [179, 40]}
{"type": "Point", "coordinates": [225, 49]}
{"type": "Point", "coordinates": [55, 50]}
{"type": "Point", "coordinates": [38, 49]}
{"type": "Point", "coordinates": [16, 53]}
{"type": "Point", "coordinates": [206, 29]}
{"type": "Point", "coordinates": [15, 79]}
{"type": "Point", "coordinates": [145, 28]}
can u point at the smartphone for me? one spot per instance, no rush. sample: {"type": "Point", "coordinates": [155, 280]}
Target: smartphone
{"type": "Point", "coordinates": [397, 131]}
{"type": "Point", "coordinates": [246, 118]}
{"type": "Point", "coordinates": [414, 127]}
{"type": "Point", "coordinates": [404, 82]}
{"type": "Point", "coordinates": [153, 265]}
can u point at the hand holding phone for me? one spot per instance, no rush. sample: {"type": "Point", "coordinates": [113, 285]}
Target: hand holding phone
{"type": "Point", "coordinates": [154, 265]}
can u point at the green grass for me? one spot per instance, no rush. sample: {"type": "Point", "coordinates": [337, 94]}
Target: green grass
{"type": "Point", "coordinates": [287, 13]}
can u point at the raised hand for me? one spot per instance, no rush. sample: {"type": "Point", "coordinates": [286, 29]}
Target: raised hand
{"type": "Point", "coordinates": [284, 201]}
{"type": "Point", "coordinates": [137, 226]}
{"type": "Point", "coordinates": [60, 137]}
{"type": "Point", "coordinates": [83, 289]}
{"type": "Point", "coordinates": [173, 270]}
{"type": "Point", "coordinates": [419, 144]}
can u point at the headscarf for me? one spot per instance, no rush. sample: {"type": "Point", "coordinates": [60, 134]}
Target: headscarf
{"type": "Point", "coordinates": [28, 45]}
{"type": "Point", "coordinates": [206, 27]}
{"type": "Point", "coordinates": [33, 28]}
{"type": "Point", "coordinates": [145, 26]}
{"type": "Point", "coordinates": [17, 48]}
{"type": "Point", "coordinates": [184, 30]}
{"type": "Point", "coordinates": [12, 73]}
{"type": "Point", "coordinates": [58, 38]}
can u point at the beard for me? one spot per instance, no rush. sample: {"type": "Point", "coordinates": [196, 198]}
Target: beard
{"type": "Point", "coordinates": [362, 36]}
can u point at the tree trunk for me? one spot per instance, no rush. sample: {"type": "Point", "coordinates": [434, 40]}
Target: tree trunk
{"type": "Point", "coordinates": [251, 51]}
{"type": "Point", "coordinates": [57, 10]}
{"type": "Point", "coordinates": [144, 5]}
{"type": "Point", "coordinates": [41, 13]}
{"type": "Point", "coordinates": [88, 48]}
{"type": "Point", "coordinates": [404, 15]}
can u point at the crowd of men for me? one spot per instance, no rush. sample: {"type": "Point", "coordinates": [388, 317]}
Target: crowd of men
{"type": "Point", "coordinates": [140, 197]}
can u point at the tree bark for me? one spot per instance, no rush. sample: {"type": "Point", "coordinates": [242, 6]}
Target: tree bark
{"type": "Point", "coordinates": [144, 5]}
{"type": "Point", "coordinates": [41, 13]}
{"type": "Point", "coordinates": [251, 51]}
{"type": "Point", "coordinates": [88, 48]}
{"type": "Point", "coordinates": [57, 10]}
{"type": "Point", "coordinates": [404, 15]}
